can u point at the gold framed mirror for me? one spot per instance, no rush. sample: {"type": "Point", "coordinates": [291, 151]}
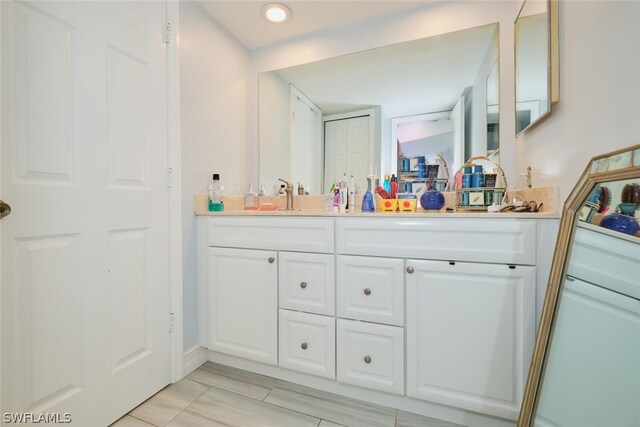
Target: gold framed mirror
{"type": "Point", "coordinates": [585, 369]}
{"type": "Point", "coordinates": [536, 62]}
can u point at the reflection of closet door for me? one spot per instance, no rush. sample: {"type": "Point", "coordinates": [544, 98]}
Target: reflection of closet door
{"type": "Point", "coordinates": [348, 148]}
{"type": "Point", "coordinates": [306, 142]}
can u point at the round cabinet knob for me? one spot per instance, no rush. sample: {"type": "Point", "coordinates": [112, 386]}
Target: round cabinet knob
{"type": "Point", "coordinates": [271, 259]}
{"type": "Point", "coordinates": [304, 345]}
{"type": "Point", "coordinates": [303, 285]}
{"type": "Point", "coordinates": [410, 270]}
{"type": "Point", "coordinates": [367, 291]}
{"type": "Point", "coordinates": [367, 359]}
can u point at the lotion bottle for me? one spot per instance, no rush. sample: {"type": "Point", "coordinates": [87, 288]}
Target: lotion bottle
{"type": "Point", "coordinates": [352, 196]}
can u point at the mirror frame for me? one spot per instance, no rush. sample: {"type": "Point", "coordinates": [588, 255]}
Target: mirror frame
{"type": "Point", "coordinates": [569, 219]}
{"type": "Point", "coordinates": [553, 70]}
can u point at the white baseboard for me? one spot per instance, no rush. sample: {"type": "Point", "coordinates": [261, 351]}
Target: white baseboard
{"type": "Point", "coordinates": [194, 357]}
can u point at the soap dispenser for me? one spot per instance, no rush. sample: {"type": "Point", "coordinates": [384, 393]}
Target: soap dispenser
{"type": "Point", "coordinates": [368, 202]}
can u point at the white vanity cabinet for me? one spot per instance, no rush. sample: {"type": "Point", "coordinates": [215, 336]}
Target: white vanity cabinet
{"type": "Point", "coordinates": [416, 312]}
{"type": "Point", "coordinates": [469, 330]}
{"type": "Point", "coordinates": [243, 303]}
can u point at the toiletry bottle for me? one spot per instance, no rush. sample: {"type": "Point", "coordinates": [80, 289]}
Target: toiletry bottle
{"type": "Point", "coordinates": [262, 191]}
{"type": "Point", "coordinates": [477, 178]}
{"type": "Point", "coordinates": [251, 200]}
{"type": "Point", "coordinates": [352, 195]}
{"type": "Point", "coordinates": [387, 183]}
{"type": "Point", "coordinates": [215, 195]}
{"type": "Point", "coordinates": [343, 188]}
{"type": "Point", "coordinates": [368, 203]}
{"type": "Point", "coordinates": [281, 190]}
{"type": "Point", "coordinates": [466, 176]}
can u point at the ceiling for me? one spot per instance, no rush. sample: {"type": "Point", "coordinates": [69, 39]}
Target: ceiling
{"type": "Point", "coordinates": [425, 75]}
{"type": "Point", "coordinates": [242, 17]}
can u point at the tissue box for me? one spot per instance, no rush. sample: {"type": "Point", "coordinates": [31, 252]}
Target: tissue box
{"type": "Point", "coordinates": [388, 205]}
{"type": "Point", "coordinates": [407, 202]}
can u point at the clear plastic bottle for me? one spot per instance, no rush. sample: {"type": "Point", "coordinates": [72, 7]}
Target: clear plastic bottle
{"type": "Point", "coordinates": [251, 200]}
{"type": "Point", "coordinates": [215, 195]}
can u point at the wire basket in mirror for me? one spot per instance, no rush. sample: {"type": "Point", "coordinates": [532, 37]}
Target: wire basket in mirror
{"type": "Point", "coordinates": [479, 184]}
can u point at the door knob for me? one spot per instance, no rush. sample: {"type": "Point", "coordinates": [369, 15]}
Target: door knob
{"type": "Point", "coordinates": [367, 291]}
{"type": "Point", "coordinates": [410, 270]}
{"type": "Point", "coordinates": [367, 359]}
{"type": "Point", "coordinates": [304, 345]}
{"type": "Point", "coordinates": [5, 209]}
{"type": "Point", "coordinates": [271, 260]}
{"type": "Point", "coordinates": [303, 285]}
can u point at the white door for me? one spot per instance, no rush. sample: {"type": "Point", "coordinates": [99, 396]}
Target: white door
{"type": "Point", "coordinates": [470, 332]}
{"type": "Point", "coordinates": [85, 297]}
{"type": "Point", "coordinates": [243, 303]}
{"type": "Point", "coordinates": [306, 142]}
{"type": "Point", "coordinates": [348, 149]}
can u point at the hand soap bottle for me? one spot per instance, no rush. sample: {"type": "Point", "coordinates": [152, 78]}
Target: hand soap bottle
{"type": "Point", "coordinates": [251, 200]}
{"type": "Point", "coordinates": [215, 195]}
{"type": "Point", "coordinates": [368, 203]}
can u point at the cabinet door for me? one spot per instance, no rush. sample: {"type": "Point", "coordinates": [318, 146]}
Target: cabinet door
{"type": "Point", "coordinates": [371, 289]}
{"type": "Point", "coordinates": [308, 343]}
{"type": "Point", "coordinates": [370, 355]}
{"type": "Point", "coordinates": [470, 333]}
{"type": "Point", "coordinates": [592, 369]}
{"type": "Point", "coordinates": [307, 282]}
{"type": "Point", "coordinates": [243, 303]}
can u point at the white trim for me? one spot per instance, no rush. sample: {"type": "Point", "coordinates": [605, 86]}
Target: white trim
{"type": "Point", "coordinates": [195, 357]}
{"type": "Point", "coordinates": [175, 191]}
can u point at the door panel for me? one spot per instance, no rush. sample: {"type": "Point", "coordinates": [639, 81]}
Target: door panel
{"type": "Point", "coordinates": [85, 253]}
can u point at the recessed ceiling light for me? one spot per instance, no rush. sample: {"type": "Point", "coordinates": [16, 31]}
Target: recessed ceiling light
{"type": "Point", "coordinates": [276, 13]}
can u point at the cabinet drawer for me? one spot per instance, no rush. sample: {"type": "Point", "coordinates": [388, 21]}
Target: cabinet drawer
{"type": "Point", "coordinates": [371, 289]}
{"type": "Point", "coordinates": [595, 247]}
{"type": "Point", "coordinates": [501, 241]}
{"type": "Point", "coordinates": [307, 282]}
{"type": "Point", "coordinates": [283, 234]}
{"type": "Point", "coordinates": [307, 343]}
{"type": "Point", "coordinates": [371, 355]}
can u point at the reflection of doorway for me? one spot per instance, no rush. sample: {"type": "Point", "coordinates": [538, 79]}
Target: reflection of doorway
{"type": "Point", "coordinates": [306, 142]}
{"type": "Point", "coordinates": [429, 134]}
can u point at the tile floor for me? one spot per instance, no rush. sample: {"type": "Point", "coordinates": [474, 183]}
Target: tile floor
{"type": "Point", "coordinates": [216, 395]}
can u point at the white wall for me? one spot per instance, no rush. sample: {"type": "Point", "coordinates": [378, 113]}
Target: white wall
{"type": "Point", "coordinates": [599, 93]}
{"type": "Point", "coordinates": [214, 91]}
{"type": "Point", "coordinates": [274, 128]}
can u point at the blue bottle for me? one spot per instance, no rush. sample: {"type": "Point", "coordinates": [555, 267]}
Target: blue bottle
{"type": "Point", "coordinates": [477, 178]}
{"type": "Point", "coordinates": [466, 177]}
{"type": "Point", "coordinates": [368, 204]}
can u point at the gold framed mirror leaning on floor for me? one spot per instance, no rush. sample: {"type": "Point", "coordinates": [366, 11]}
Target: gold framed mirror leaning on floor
{"type": "Point", "coordinates": [585, 369]}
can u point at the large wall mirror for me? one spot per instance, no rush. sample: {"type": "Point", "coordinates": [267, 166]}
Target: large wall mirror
{"type": "Point", "coordinates": [536, 62]}
{"type": "Point", "coordinates": [321, 120]}
{"type": "Point", "coordinates": [585, 369]}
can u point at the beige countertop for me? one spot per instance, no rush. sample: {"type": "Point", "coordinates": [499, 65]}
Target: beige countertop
{"type": "Point", "coordinates": [314, 206]}
{"type": "Point", "coordinates": [396, 215]}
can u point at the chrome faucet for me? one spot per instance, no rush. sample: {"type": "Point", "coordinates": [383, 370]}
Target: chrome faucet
{"type": "Point", "coordinates": [289, 190]}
